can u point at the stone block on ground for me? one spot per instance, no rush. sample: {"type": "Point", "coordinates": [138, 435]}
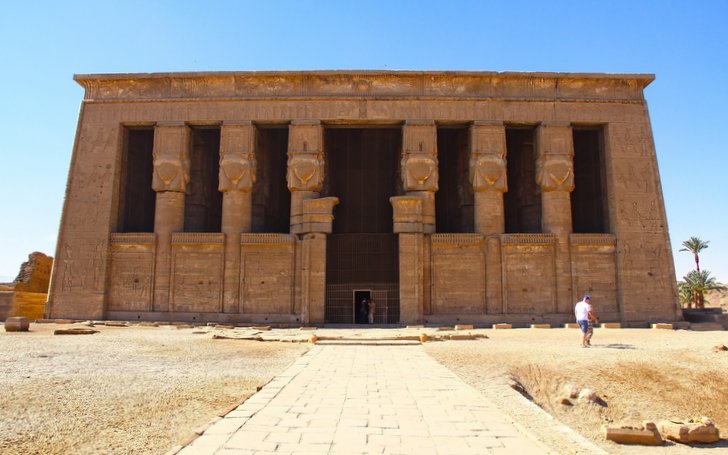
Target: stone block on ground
{"type": "Point", "coordinates": [703, 431]}
{"type": "Point", "coordinates": [663, 325]}
{"type": "Point", "coordinates": [631, 435]}
{"type": "Point", "coordinates": [502, 326]}
{"type": "Point", "coordinates": [17, 324]}
{"type": "Point", "coordinates": [75, 331]}
{"type": "Point", "coordinates": [464, 327]}
{"type": "Point", "coordinates": [540, 326]}
{"type": "Point", "coordinates": [706, 326]}
{"type": "Point", "coordinates": [571, 325]}
{"type": "Point", "coordinates": [611, 325]}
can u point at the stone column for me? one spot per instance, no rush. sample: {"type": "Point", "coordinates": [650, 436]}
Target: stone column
{"type": "Point", "coordinates": [409, 225]}
{"type": "Point", "coordinates": [318, 217]}
{"type": "Point", "coordinates": [170, 178]}
{"type": "Point", "coordinates": [305, 167]}
{"type": "Point", "coordinates": [420, 168]}
{"type": "Point", "coordinates": [488, 175]}
{"type": "Point", "coordinates": [555, 175]}
{"type": "Point", "coordinates": [236, 178]}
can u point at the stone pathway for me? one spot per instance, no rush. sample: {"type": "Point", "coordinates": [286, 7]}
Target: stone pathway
{"type": "Point", "coordinates": [365, 399]}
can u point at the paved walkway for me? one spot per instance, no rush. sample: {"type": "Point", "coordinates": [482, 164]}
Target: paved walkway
{"type": "Point", "coordinates": [365, 399]}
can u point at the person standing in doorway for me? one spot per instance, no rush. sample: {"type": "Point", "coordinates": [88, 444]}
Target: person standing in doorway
{"type": "Point", "coordinates": [585, 318]}
{"type": "Point", "coordinates": [371, 306]}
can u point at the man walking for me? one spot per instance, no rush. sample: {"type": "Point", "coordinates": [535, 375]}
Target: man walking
{"type": "Point", "coordinates": [584, 317]}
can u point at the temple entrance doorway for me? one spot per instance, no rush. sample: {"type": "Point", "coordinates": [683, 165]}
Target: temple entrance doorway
{"type": "Point", "coordinates": [362, 255]}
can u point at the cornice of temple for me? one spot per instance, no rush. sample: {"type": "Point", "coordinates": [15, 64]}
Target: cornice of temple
{"type": "Point", "coordinates": [374, 84]}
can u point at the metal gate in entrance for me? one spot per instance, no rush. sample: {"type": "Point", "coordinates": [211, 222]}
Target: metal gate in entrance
{"type": "Point", "coordinates": [362, 253]}
{"type": "Point", "coordinates": [358, 266]}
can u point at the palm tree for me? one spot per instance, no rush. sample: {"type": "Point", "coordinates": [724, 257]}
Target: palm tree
{"type": "Point", "coordinates": [699, 282]}
{"type": "Point", "coordinates": [695, 246]}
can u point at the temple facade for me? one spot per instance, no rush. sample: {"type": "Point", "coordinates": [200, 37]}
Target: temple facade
{"type": "Point", "coordinates": [291, 197]}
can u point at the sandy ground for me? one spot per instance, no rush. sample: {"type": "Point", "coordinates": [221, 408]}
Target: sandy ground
{"type": "Point", "coordinates": [640, 374]}
{"type": "Point", "coordinates": [142, 390]}
{"type": "Point", "coordinates": [124, 390]}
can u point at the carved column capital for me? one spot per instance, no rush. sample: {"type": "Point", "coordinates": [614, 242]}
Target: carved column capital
{"type": "Point", "coordinates": [555, 163]}
{"type": "Point", "coordinates": [305, 156]}
{"type": "Point", "coordinates": [171, 157]}
{"type": "Point", "coordinates": [488, 157]}
{"type": "Point", "coordinates": [419, 156]}
{"type": "Point", "coordinates": [407, 214]}
{"type": "Point", "coordinates": [318, 215]}
{"type": "Point", "coordinates": [237, 157]}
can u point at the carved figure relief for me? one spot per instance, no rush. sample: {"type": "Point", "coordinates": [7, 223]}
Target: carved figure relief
{"type": "Point", "coordinates": [170, 174]}
{"type": "Point", "coordinates": [420, 172]}
{"type": "Point", "coordinates": [488, 172]}
{"type": "Point", "coordinates": [555, 173]}
{"type": "Point", "coordinates": [305, 171]}
{"type": "Point", "coordinates": [237, 171]}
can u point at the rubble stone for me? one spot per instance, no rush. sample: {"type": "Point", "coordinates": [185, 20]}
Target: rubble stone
{"type": "Point", "coordinates": [702, 431]}
{"type": "Point", "coordinates": [17, 324]}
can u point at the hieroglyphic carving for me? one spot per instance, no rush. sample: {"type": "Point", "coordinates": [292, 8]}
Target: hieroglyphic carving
{"type": "Point", "coordinates": [237, 158]}
{"type": "Point", "coordinates": [171, 158]}
{"type": "Point", "coordinates": [82, 271]}
{"type": "Point", "coordinates": [132, 270]}
{"type": "Point", "coordinates": [196, 279]}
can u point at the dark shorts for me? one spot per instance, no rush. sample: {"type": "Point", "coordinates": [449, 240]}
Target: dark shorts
{"type": "Point", "coordinates": [583, 325]}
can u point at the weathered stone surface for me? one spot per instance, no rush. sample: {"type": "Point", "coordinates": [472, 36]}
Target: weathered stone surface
{"type": "Point", "coordinates": [663, 325]}
{"type": "Point", "coordinates": [17, 324]}
{"type": "Point", "coordinates": [564, 401]}
{"type": "Point", "coordinates": [703, 431]}
{"type": "Point", "coordinates": [190, 256]}
{"type": "Point", "coordinates": [502, 326]}
{"type": "Point", "coordinates": [630, 435]}
{"type": "Point", "coordinates": [540, 326]}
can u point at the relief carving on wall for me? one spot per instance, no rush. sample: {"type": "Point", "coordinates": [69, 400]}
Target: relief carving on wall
{"type": "Point", "coordinates": [237, 171]}
{"type": "Point", "coordinates": [171, 159]}
{"type": "Point", "coordinates": [488, 172]}
{"type": "Point", "coordinates": [555, 173]}
{"type": "Point", "coordinates": [419, 171]}
{"type": "Point", "coordinates": [305, 170]}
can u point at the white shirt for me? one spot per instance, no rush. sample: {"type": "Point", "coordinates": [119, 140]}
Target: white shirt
{"type": "Point", "coordinates": [581, 311]}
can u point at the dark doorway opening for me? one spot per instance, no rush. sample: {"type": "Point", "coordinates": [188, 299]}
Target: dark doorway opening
{"type": "Point", "coordinates": [203, 202]}
{"type": "Point", "coordinates": [522, 202]}
{"type": "Point", "coordinates": [271, 197]}
{"type": "Point", "coordinates": [362, 166]}
{"type": "Point", "coordinates": [361, 310]}
{"type": "Point", "coordinates": [137, 198]}
{"type": "Point", "coordinates": [588, 200]}
{"type": "Point", "coordinates": [454, 206]}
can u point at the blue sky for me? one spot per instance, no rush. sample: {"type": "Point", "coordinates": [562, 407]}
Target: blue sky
{"type": "Point", "coordinates": [684, 43]}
